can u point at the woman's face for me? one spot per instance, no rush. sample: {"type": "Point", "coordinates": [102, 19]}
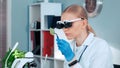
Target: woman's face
{"type": "Point", "coordinates": [75, 30]}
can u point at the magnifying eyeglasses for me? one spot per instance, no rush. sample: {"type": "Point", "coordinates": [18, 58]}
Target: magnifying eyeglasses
{"type": "Point", "coordinates": [66, 23]}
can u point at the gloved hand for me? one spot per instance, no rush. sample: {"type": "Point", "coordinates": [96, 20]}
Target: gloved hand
{"type": "Point", "coordinates": [65, 49]}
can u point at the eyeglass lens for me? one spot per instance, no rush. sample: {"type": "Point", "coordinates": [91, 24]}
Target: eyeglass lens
{"type": "Point", "coordinates": [65, 25]}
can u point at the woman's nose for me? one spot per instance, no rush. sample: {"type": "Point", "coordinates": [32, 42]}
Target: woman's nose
{"type": "Point", "coordinates": [65, 29]}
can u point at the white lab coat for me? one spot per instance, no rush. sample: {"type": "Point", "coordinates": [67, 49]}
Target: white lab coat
{"type": "Point", "coordinates": [97, 54]}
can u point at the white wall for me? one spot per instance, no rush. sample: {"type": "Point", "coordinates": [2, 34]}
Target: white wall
{"type": "Point", "coordinates": [19, 23]}
{"type": "Point", "coordinates": [107, 25]}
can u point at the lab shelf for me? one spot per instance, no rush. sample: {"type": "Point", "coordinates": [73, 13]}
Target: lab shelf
{"type": "Point", "coordinates": [41, 43]}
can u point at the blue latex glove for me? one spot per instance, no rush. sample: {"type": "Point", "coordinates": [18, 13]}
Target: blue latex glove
{"type": "Point", "coordinates": [65, 49]}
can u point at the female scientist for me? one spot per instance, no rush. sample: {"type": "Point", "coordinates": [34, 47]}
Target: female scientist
{"type": "Point", "coordinates": [87, 51]}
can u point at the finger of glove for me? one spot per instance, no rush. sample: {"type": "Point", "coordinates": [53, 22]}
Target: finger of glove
{"type": "Point", "coordinates": [58, 39]}
{"type": "Point", "coordinates": [62, 50]}
{"type": "Point", "coordinates": [66, 51]}
{"type": "Point", "coordinates": [63, 44]}
{"type": "Point", "coordinates": [60, 43]}
{"type": "Point", "coordinates": [64, 41]}
{"type": "Point", "coordinates": [61, 40]}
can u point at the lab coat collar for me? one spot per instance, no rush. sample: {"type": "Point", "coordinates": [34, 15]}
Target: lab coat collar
{"type": "Point", "coordinates": [86, 42]}
{"type": "Point", "coordinates": [88, 39]}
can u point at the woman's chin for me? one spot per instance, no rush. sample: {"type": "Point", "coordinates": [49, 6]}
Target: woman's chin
{"type": "Point", "coordinates": [69, 38]}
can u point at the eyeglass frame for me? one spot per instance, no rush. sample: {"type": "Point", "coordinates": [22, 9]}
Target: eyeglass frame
{"type": "Point", "coordinates": [66, 23]}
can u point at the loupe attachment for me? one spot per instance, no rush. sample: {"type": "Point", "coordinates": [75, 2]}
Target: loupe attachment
{"type": "Point", "coordinates": [66, 23]}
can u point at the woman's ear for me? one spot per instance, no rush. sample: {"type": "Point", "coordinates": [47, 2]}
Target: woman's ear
{"type": "Point", "coordinates": [84, 23]}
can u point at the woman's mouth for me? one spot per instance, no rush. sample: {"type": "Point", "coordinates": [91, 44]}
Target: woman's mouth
{"type": "Point", "coordinates": [67, 34]}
